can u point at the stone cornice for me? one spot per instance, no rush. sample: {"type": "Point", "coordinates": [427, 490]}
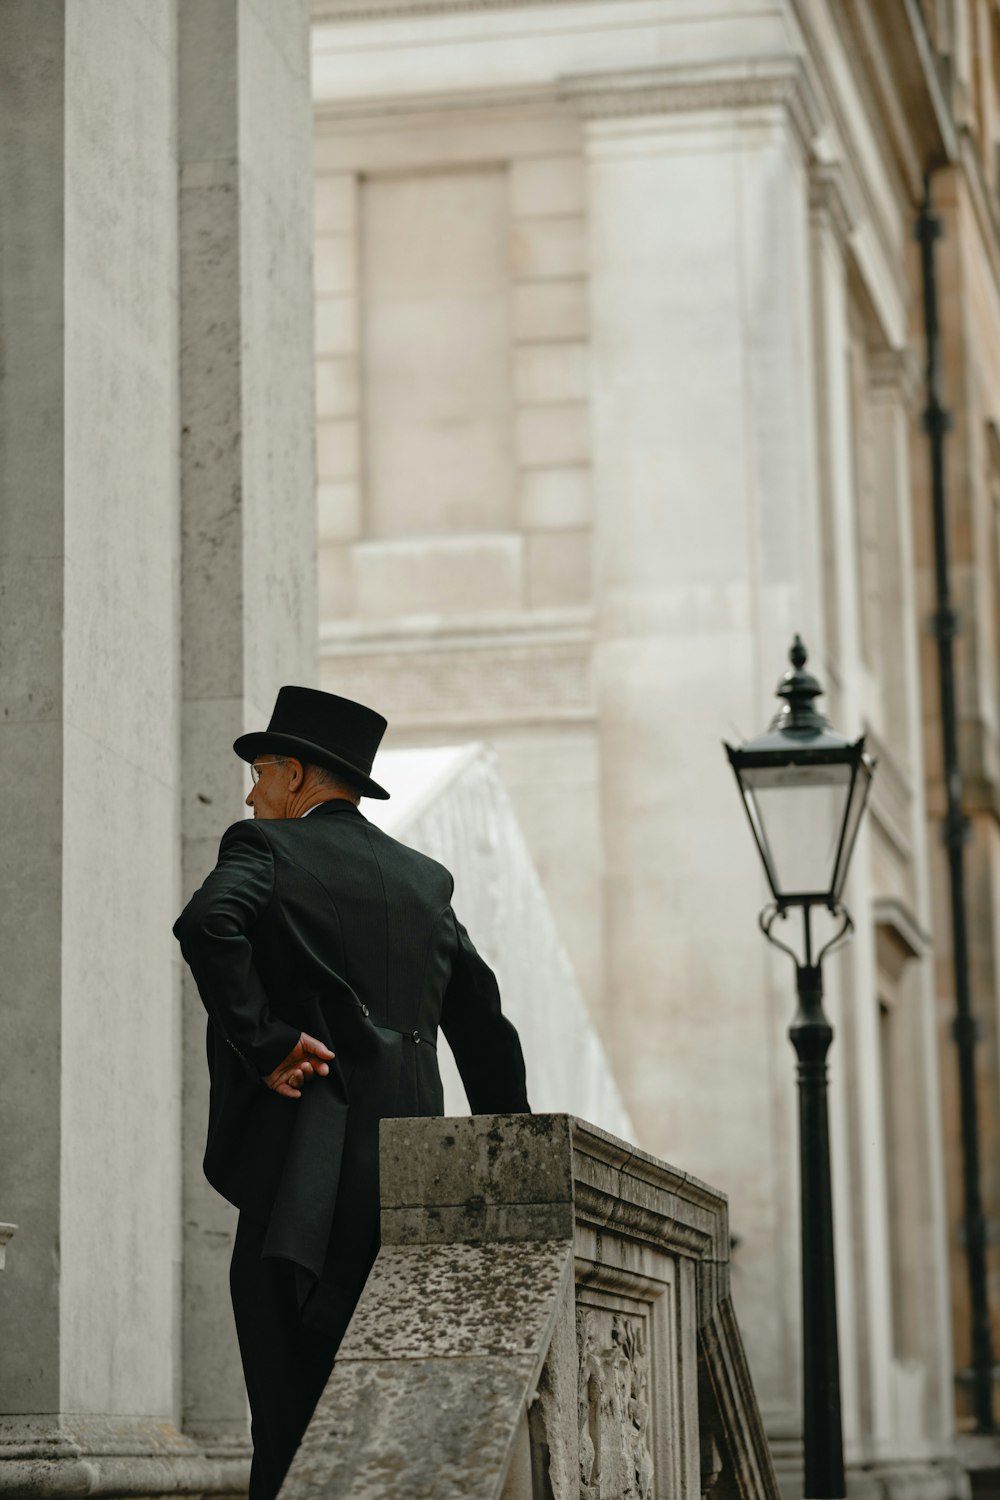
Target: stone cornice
{"type": "Point", "coordinates": [903, 86]}
{"type": "Point", "coordinates": [737, 85]}
{"type": "Point", "coordinates": [388, 110]}
{"type": "Point", "coordinates": [884, 47]}
{"type": "Point", "coordinates": [415, 634]}
{"type": "Point", "coordinates": [97, 1455]}
{"type": "Point", "coordinates": [837, 203]}
{"type": "Point", "coordinates": [885, 105]}
{"type": "Point", "coordinates": [894, 917]}
{"type": "Point", "coordinates": [895, 374]}
{"type": "Point", "coordinates": [833, 195]}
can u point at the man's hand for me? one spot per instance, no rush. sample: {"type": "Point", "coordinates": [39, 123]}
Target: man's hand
{"type": "Point", "coordinates": [307, 1059]}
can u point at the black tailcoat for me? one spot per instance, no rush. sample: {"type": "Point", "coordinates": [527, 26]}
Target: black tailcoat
{"type": "Point", "coordinates": [326, 925]}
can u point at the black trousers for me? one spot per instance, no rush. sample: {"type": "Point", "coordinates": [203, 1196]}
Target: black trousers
{"type": "Point", "coordinates": [287, 1350]}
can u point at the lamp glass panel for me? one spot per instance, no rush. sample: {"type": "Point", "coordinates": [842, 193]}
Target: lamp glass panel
{"type": "Point", "coordinates": [859, 796]}
{"type": "Point", "coordinates": [799, 811]}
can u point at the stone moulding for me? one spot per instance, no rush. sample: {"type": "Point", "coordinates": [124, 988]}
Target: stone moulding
{"type": "Point", "coordinates": [473, 684]}
{"type": "Point", "coordinates": [782, 82]}
{"type": "Point", "coordinates": [548, 1316]}
{"type": "Point", "coordinates": [726, 1400]}
{"type": "Point", "coordinates": [733, 85]}
{"type": "Point", "coordinates": [105, 1457]}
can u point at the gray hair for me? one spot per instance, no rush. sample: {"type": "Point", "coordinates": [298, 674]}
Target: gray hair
{"type": "Point", "coordinates": [329, 778]}
{"type": "Point", "coordinates": [323, 775]}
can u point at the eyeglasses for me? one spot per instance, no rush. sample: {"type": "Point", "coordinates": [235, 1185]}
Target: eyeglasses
{"type": "Point", "coordinates": [257, 766]}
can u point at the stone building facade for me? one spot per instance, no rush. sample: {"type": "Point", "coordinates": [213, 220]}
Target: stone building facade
{"type": "Point", "coordinates": [966, 39]}
{"type": "Point", "coordinates": [619, 379]}
{"type": "Point", "coordinates": [618, 346]}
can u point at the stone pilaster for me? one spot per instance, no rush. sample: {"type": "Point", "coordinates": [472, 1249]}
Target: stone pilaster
{"type": "Point", "coordinates": [248, 611]}
{"type": "Point", "coordinates": [707, 562]}
{"type": "Point", "coordinates": [916, 1199]}
{"type": "Point", "coordinates": [32, 455]}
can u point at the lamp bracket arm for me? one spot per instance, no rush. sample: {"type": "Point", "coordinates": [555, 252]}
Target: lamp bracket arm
{"type": "Point", "coordinates": [840, 936]}
{"type": "Point", "coordinates": [766, 921]}
{"type": "Point", "coordinates": [775, 909]}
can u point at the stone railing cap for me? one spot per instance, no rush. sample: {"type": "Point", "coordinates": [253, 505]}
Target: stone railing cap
{"type": "Point", "coordinates": [524, 1177]}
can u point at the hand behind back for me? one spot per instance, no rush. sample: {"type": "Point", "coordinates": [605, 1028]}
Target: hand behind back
{"type": "Point", "coordinates": [308, 1059]}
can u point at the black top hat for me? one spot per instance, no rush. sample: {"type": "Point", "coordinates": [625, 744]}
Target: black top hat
{"type": "Point", "coordinates": [321, 730]}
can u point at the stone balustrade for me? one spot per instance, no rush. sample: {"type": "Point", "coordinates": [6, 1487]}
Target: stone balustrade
{"type": "Point", "coordinates": [548, 1317]}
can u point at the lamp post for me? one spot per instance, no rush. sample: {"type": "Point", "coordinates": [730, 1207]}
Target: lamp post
{"type": "Point", "coordinates": [804, 787]}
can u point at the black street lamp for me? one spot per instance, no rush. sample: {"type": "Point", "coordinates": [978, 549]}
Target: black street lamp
{"type": "Point", "coordinates": [804, 787]}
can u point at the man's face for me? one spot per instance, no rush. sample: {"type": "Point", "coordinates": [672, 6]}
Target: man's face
{"type": "Point", "coordinates": [269, 796]}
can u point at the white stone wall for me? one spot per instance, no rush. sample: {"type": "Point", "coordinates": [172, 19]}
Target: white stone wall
{"type": "Point", "coordinates": [468, 594]}
{"type": "Point", "coordinates": [451, 375]}
{"type": "Point", "coordinates": [708, 289]}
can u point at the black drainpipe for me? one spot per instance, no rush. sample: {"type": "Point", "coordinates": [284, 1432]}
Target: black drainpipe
{"type": "Point", "coordinates": [965, 1028]}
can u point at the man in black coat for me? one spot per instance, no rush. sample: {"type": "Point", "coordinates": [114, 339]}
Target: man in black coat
{"type": "Point", "coordinates": [328, 957]}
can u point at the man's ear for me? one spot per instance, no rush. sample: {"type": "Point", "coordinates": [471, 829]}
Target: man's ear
{"type": "Point", "coordinates": [296, 774]}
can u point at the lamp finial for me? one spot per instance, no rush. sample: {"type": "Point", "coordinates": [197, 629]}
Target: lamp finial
{"type": "Point", "coordinates": [798, 714]}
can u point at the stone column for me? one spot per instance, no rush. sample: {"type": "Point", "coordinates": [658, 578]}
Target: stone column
{"type": "Point", "coordinates": [156, 586]}
{"type": "Point", "coordinates": [864, 1296]}
{"type": "Point", "coordinates": [89, 1023]}
{"type": "Point", "coordinates": [707, 562]}
{"type": "Point", "coordinates": [920, 1276]}
{"type": "Point", "coordinates": [248, 517]}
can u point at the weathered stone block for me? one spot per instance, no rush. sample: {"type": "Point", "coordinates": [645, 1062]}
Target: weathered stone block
{"type": "Point", "coordinates": [370, 1436]}
{"type": "Point", "coordinates": [507, 1159]}
{"type": "Point", "coordinates": [476, 1222]}
{"type": "Point", "coordinates": [392, 1323]}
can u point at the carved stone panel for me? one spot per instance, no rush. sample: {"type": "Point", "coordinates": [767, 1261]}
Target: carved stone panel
{"type": "Point", "coordinates": [637, 1400]}
{"type": "Point", "coordinates": [616, 1461]}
